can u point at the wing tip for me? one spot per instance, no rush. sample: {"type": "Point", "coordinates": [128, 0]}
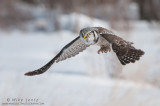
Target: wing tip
{"type": "Point", "coordinates": [29, 74]}
{"type": "Point", "coordinates": [125, 62]}
{"type": "Point", "coordinates": [141, 52]}
{"type": "Point", "coordinates": [32, 73]}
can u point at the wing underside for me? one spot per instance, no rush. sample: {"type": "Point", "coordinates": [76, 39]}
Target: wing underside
{"type": "Point", "coordinates": [70, 50]}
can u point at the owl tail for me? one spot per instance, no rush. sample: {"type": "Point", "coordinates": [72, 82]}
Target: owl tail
{"type": "Point", "coordinates": [127, 53]}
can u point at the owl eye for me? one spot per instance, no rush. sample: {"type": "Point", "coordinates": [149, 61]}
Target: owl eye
{"type": "Point", "coordinates": [82, 34]}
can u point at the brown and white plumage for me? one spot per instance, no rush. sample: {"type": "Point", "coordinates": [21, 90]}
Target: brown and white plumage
{"type": "Point", "coordinates": [124, 50]}
{"type": "Point", "coordinates": [104, 38]}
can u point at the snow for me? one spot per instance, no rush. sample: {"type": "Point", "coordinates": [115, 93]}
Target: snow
{"type": "Point", "coordinates": [88, 79]}
{"type": "Point", "coordinates": [72, 22]}
{"type": "Point", "coordinates": [65, 90]}
{"type": "Point", "coordinates": [38, 49]}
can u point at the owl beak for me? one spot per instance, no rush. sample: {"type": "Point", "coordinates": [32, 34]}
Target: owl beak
{"type": "Point", "coordinates": [84, 37]}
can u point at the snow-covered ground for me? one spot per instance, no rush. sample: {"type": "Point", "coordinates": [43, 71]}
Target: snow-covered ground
{"type": "Point", "coordinates": [77, 90]}
{"type": "Point", "coordinates": [88, 79]}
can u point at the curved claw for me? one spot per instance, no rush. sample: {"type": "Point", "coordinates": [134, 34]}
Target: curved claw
{"type": "Point", "coordinates": [104, 49]}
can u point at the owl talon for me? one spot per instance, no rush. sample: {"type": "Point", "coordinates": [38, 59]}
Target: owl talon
{"type": "Point", "coordinates": [99, 51]}
{"type": "Point", "coordinates": [104, 49]}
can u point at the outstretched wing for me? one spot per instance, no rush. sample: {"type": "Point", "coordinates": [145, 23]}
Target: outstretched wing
{"type": "Point", "coordinates": [124, 50]}
{"type": "Point", "coordinates": [70, 50]}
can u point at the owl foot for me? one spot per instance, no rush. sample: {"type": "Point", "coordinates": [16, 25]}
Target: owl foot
{"type": "Point", "coordinates": [104, 49]}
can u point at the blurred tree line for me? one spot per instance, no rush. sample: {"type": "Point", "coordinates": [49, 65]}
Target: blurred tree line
{"type": "Point", "coordinates": [11, 14]}
{"type": "Point", "coordinates": [16, 12]}
{"type": "Point", "coordinates": [148, 9]}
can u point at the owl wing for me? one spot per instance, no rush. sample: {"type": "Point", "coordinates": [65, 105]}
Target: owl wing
{"type": "Point", "coordinates": [70, 50]}
{"type": "Point", "coordinates": [124, 50]}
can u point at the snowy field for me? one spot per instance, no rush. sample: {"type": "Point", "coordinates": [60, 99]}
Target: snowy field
{"type": "Point", "coordinates": [88, 79]}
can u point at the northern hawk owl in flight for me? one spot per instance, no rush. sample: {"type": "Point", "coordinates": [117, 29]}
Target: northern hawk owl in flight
{"type": "Point", "coordinates": [104, 38]}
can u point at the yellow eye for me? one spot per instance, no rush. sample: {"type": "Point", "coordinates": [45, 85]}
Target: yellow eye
{"type": "Point", "coordinates": [84, 36]}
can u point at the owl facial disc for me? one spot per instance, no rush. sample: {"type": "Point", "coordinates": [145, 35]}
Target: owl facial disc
{"type": "Point", "coordinates": [89, 38]}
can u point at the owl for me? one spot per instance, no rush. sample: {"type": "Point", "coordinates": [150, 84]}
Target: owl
{"type": "Point", "coordinates": [102, 37]}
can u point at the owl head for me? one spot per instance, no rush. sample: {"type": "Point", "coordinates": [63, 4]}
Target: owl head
{"type": "Point", "coordinates": [89, 36]}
